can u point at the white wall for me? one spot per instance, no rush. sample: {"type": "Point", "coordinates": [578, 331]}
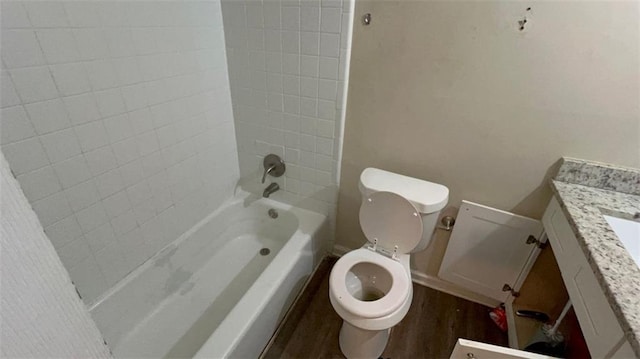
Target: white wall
{"type": "Point", "coordinates": [41, 316]}
{"type": "Point", "coordinates": [117, 122]}
{"type": "Point", "coordinates": [287, 62]}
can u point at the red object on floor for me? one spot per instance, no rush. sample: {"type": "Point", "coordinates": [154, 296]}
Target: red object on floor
{"type": "Point", "coordinates": [499, 316]}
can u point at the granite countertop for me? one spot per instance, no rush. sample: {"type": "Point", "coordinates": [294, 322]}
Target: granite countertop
{"type": "Point", "coordinates": [584, 190]}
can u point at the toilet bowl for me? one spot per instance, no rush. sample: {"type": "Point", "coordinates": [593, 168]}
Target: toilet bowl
{"type": "Point", "coordinates": [370, 288]}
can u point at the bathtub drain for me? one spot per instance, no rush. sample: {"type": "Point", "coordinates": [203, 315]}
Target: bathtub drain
{"type": "Point", "coordinates": [265, 251]}
{"type": "Point", "coordinates": [273, 213]}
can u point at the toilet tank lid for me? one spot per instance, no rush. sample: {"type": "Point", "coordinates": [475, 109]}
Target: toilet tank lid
{"type": "Point", "coordinates": [428, 197]}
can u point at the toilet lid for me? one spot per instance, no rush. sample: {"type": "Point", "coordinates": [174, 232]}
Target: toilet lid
{"type": "Point", "coordinates": [392, 220]}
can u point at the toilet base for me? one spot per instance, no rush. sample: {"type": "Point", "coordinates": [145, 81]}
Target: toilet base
{"type": "Point", "coordinates": [360, 343]}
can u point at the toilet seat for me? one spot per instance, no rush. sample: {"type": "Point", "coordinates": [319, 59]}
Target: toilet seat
{"type": "Point", "coordinates": [391, 222]}
{"type": "Point", "coordinates": [386, 305]}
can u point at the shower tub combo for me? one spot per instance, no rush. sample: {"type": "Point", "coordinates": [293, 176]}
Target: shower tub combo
{"type": "Point", "coordinates": [220, 289]}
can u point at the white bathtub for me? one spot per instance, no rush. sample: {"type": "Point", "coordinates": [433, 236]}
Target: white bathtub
{"type": "Point", "coordinates": [211, 293]}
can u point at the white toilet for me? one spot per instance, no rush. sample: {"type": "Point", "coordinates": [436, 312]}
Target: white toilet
{"type": "Point", "coordinates": [370, 288]}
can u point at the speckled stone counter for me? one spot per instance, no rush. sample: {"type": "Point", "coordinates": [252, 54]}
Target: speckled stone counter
{"type": "Point", "coordinates": [583, 206]}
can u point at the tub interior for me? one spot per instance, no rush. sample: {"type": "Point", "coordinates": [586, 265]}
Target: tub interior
{"type": "Point", "coordinates": [170, 306]}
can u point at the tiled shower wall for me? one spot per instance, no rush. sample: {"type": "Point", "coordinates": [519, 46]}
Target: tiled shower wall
{"type": "Point", "coordinates": [287, 62]}
{"type": "Point", "coordinates": [117, 122]}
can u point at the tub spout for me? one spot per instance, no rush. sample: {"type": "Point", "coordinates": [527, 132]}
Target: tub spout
{"type": "Point", "coordinates": [270, 189]}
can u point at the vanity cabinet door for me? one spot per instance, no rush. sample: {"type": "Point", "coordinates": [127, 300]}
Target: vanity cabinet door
{"type": "Point", "coordinates": [598, 323]}
{"type": "Point", "coordinates": [469, 349]}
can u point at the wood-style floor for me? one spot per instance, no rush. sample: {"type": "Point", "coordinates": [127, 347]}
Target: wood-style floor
{"type": "Point", "coordinates": [430, 330]}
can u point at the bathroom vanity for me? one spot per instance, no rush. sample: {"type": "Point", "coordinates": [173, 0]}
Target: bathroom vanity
{"type": "Point", "coordinates": [599, 270]}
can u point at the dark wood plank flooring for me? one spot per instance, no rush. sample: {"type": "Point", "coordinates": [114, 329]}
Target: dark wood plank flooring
{"type": "Point", "coordinates": [434, 322]}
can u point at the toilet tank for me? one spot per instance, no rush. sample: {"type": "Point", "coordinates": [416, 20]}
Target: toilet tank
{"type": "Point", "coordinates": [428, 197]}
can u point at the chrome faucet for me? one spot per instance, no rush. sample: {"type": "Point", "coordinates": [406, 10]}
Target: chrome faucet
{"type": "Point", "coordinates": [270, 189]}
{"type": "Point", "coordinates": [273, 166]}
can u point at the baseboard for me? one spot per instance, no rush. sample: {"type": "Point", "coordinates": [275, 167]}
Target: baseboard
{"type": "Point", "coordinates": [433, 283]}
{"type": "Point", "coordinates": [339, 250]}
{"type": "Point", "coordinates": [446, 287]}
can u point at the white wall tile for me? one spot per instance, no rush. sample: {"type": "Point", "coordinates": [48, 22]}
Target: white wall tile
{"type": "Point", "coordinates": [324, 146]}
{"type": "Point", "coordinates": [329, 45]}
{"type": "Point", "coordinates": [112, 263]}
{"type": "Point", "coordinates": [309, 88]}
{"type": "Point", "coordinates": [63, 231]}
{"type": "Point", "coordinates": [58, 45]}
{"type": "Point", "coordinates": [82, 108]}
{"type": "Point", "coordinates": [290, 18]}
{"type": "Point", "coordinates": [74, 252]}
{"type": "Point", "coordinates": [119, 42]}
{"type": "Point", "coordinates": [124, 223]}
{"type": "Point", "coordinates": [88, 279]}
{"type": "Point", "coordinates": [72, 171]}
{"type": "Point", "coordinates": [71, 79]}
{"type": "Point", "coordinates": [91, 43]}
{"type": "Point", "coordinates": [291, 42]}
{"type": "Point", "coordinates": [46, 14]}
{"type": "Point", "coordinates": [34, 84]}
{"type": "Point", "coordinates": [126, 151]}
{"type": "Point", "coordinates": [328, 68]}
{"type": "Point", "coordinates": [254, 15]}
{"type": "Point", "coordinates": [116, 204]}
{"type": "Point", "coordinates": [327, 89]}
{"type": "Point", "coordinates": [331, 19]}
{"type": "Point", "coordinates": [309, 18]}
{"type": "Point", "coordinates": [118, 127]}
{"type": "Point", "coordinates": [310, 43]}
{"type": "Point", "coordinates": [147, 143]}
{"type": "Point", "coordinates": [327, 110]}
{"type": "Point", "coordinates": [60, 145]}
{"type": "Point", "coordinates": [127, 70]}
{"type": "Point", "coordinates": [101, 160]}
{"type": "Point", "coordinates": [145, 211]}
{"type": "Point", "coordinates": [135, 96]}
{"type": "Point", "coordinates": [48, 116]}
{"type": "Point", "coordinates": [25, 156]}
{"type": "Point", "coordinates": [91, 217]}
{"type": "Point", "coordinates": [109, 183]}
{"type": "Point", "coordinates": [52, 209]}
{"type": "Point", "coordinates": [39, 183]}
{"type": "Point", "coordinates": [309, 66]}
{"type": "Point", "coordinates": [100, 237]}
{"type": "Point", "coordinates": [81, 14]}
{"type": "Point", "coordinates": [82, 195]}
{"type": "Point", "coordinates": [8, 95]}
{"type": "Point", "coordinates": [271, 15]}
{"type": "Point", "coordinates": [92, 135]}
{"type": "Point", "coordinates": [132, 173]}
{"type": "Point", "coordinates": [110, 102]}
{"type": "Point", "coordinates": [308, 109]}
{"type": "Point", "coordinates": [21, 48]}
{"type": "Point", "coordinates": [102, 74]}
{"type": "Point", "coordinates": [13, 15]}
{"type": "Point", "coordinates": [291, 64]}
{"type": "Point", "coordinates": [325, 128]}
{"type": "Point", "coordinates": [15, 125]}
